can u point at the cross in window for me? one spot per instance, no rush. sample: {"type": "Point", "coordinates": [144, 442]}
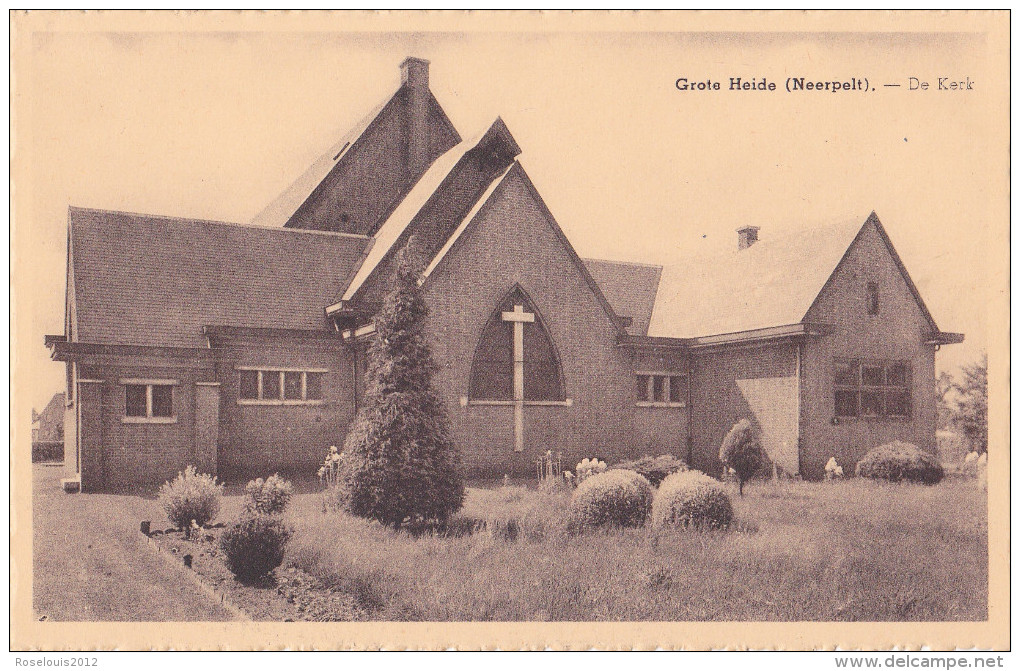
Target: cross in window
{"type": "Point", "coordinates": [518, 318]}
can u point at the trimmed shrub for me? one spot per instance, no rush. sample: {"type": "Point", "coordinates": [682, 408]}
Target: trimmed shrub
{"type": "Point", "coordinates": [742, 451]}
{"type": "Point", "coordinates": [616, 498]}
{"type": "Point", "coordinates": [691, 499]}
{"type": "Point", "coordinates": [898, 461]}
{"type": "Point", "coordinates": [655, 469]}
{"type": "Point", "coordinates": [255, 546]}
{"type": "Point", "coordinates": [269, 496]}
{"type": "Point", "coordinates": [191, 497]}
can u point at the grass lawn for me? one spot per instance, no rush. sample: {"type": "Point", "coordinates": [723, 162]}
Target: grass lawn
{"type": "Point", "coordinates": [846, 551]}
{"type": "Point", "coordinates": [90, 562]}
{"type": "Point", "coordinates": [800, 551]}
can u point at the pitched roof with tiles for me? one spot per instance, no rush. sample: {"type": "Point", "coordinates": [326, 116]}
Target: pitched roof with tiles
{"type": "Point", "coordinates": [153, 280]}
{"type": "Point", "coordinates": [630, 289]}
{"type": "Point", "coordinates": [771, 283]}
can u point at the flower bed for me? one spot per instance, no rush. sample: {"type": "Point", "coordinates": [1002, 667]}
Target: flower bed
{"type": "Point", "coordinates": [289, 595]}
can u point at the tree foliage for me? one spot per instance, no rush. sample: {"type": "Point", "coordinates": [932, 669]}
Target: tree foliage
{"type": "Point", "coordinates": [742, 451]}
{"type": "Point", "coordinates": [400, 465]}
{"type": "Point", "coordinates": [971, 412]}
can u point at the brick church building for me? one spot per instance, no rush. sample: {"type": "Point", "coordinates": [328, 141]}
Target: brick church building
{"type": "Point", "coordinates": [240, 348]}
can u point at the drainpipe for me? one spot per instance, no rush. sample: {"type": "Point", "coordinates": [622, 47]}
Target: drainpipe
{"type": "Point", "coordinates": [800, 396]}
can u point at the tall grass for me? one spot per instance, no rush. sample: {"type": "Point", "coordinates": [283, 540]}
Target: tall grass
{"type": "Point", "coordinates": [841, 551]}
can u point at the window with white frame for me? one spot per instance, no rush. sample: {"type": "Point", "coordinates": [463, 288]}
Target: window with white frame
{"type": "Point", "coordinates": [667, 390]}
{"type": "Point", "coordinates": [149, 400]}
{"type": "Point", "coordinates": [279, 386]}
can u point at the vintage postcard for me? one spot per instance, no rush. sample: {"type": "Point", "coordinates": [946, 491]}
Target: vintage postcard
{"type": "Point", "coordinates": [476, 330]}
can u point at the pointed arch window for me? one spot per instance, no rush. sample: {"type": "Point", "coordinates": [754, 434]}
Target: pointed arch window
{"type": "Point", "coordinates": [492, 370]}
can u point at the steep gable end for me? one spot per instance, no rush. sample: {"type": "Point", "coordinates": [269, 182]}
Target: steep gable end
{"type": "Point", "coordinates": [432, 210]}
{"type": "Point", "coordinates": [506, 192]}
{"type": "Point", "coordinates": [630, 288]}
{"type": "Point", "coordinates": [354, 185]}
{"type": "Point", "coordinates": [871, 279]}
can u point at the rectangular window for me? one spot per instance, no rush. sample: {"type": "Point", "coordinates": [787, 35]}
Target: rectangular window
{"type": "Point", "coordinates": [313, 386]}
{"type": "Point", "coordinates": [162, 397]}
{"type": "Point", "coordinates": [661, 389]}
{"type": "Point", "coordinates": [642, 388]}
{"type": "Point", "coordinates": [872, 298]}
{"type": "Point", "coordinates": [249, 385]}
{"type": "Point", "coordinates": [872, 388]}
{"type": "Point", "coordinates": [677, 389]}
{"type": "Point", "coordinates": [269, 386]}
{"type": "Point", "coordinates": [135, 400]}
{"type": "Point", "coordinates": [149, 401]}
{"type": "Point", "coordinates": [292, 385]}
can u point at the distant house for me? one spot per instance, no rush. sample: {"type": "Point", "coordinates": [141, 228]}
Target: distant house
{"type": "Point", "coordinates": [48, 425]}
{"type": "Point", "coordinates": [241, 348]}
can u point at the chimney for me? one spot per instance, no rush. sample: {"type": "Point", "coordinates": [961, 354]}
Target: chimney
{"type": "Point", "coordinates": [747, 236]}
{"type": "Point", "coordinates": [414, 74]}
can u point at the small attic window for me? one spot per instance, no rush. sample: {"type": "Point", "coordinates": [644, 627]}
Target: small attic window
{"type": "Point", "coordinates": [872, 298]}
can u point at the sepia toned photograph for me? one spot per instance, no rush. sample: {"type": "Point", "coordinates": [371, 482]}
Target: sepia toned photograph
{"type": "Point", "coordinates": [323, 321]}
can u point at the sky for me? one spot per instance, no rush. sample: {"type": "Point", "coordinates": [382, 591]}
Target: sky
{"type": "Point", "coordinates": [214, 125]}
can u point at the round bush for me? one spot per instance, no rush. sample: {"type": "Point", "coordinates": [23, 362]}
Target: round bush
{"type": "Point", "coordinates": [691, 499]}
{"type": "Point", "coordinates": [655, 469]}
{"type": "Point", "coordinates": [898, 461]}
{"type": "Point", "coordinates": [255, 546]}
{"type": "Point", "coordinates": [191, 496]}
{"type": "Point", "coordinates": [269, 496]}
{"type": "Point", "coordinates": [617, 498]}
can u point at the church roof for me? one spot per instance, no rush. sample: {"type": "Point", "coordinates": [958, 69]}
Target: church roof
{"type": "Point", "coordinates": [630, 289]}
{"type": "Point", "coordinates": [154, 280]}
{"type": "Point", "coordinates": [405, 212]}
{"type": "Point", "coordinates": [771, 283]}
{"type": "Point", "coordinates": [280, 210]}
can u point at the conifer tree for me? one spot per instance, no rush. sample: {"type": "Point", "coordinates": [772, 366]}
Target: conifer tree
{"type": "Point", "coordinates": [400, 465]}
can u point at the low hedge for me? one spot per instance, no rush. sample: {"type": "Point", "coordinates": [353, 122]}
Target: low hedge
{"type": "Point", "coordinates": [898, 461]}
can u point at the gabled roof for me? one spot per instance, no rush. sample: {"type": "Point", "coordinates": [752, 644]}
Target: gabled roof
{"type": "Point", "coordinates": [772, 283]}
{"type": "Point", "coordinates": [156, 281]}
{"type": "Point", "coordinates": [630, 288]}
{"type": "Point", "coordinates": [472, 213]}
{"type": "Point", "coordinates": [280, 210]}
{"type": "Point", "coordinates": [401, 217]}
{"type": "Point", "coordinates": [393, 232]}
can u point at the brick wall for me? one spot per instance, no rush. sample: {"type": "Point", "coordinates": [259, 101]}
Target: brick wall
{"type": "Point", "coordinates": [737, 382]}
{"type": "Point", "coordinates": [257, 440]}
{"type": "Point", "coordinates": [661, 430]}
{"type": "Point", "coordinates": [371, 176]}
{"type": "Point", "coordinates": [511, 242]}
{"type": "Point", "coordinates": [898, 332]}
{"type": "Point", "coordinates": [127, 454]}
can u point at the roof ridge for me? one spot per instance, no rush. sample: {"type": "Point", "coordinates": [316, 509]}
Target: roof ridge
{"type": "Point", "coordinates": [623, 263]}
{"type": "Point", "coordinates": [217, 222]}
